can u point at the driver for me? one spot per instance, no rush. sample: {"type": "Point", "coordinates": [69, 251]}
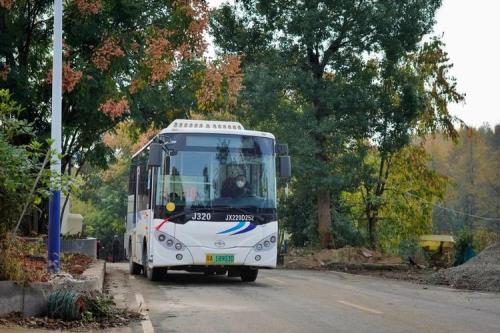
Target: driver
{"type": "Point", "coordinates": [236, 187]}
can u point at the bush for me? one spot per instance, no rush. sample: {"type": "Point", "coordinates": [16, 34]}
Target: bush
{"type": "Point", "coordinates": [19, 163]}
{"type": "Point", "coordinates": [463, 246]}
{"type": "Point", "coordinates": [13, 263]}
{"type": "Point", "coordinates": [345, 233]}
{"type": "Point", "coordinates": [484, 237]}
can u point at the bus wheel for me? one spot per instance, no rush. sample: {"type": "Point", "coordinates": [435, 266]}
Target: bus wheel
{"type": "Point", "coordinates": [249, 274]}
{"type": "Point", "coordinates": [133, 268]}
{"type": "Point", "coordinates": [155, 273]}
{"type": "Point", "coordinates": [152, 273]}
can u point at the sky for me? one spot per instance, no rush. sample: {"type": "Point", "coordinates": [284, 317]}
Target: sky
{"type": "Point", "coordinates": [471, 32]}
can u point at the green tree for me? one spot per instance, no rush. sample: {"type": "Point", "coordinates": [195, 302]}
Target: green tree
{"type": "Point", "coordinates": [338, 66]}
{"type": "Point", "coordinates": [413, 101]}
{"type": "Point", "coordinates": [19, 164]}
{"type": "Point", "coordinates": [404, 208]}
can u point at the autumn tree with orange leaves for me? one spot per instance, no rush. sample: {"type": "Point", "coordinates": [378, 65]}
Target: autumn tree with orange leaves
{"type": "Point", "coordinates": [139, 62]}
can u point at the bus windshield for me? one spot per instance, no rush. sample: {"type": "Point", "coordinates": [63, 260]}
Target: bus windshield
{"type": "Point", "coordinates": [215, 170]}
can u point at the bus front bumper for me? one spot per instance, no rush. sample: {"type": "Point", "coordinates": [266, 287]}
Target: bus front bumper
{"type": "Point", "coordinates": [197, 256]}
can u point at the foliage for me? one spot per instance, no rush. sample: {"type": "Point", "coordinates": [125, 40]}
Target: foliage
{"type": "Point", "coordinates": [132, 60]}
{"type": "Point", "coordinates": [103, 204]}
{"type": "Point", "coordinates": [405, 207]}
{"type": "Point", "coordinates": [19, 163]}
{"type": "Point", "coordinates": [14, 266]}
{"type": "Point", "coordinates": [334, 75]}
{"type": "Point", "coordinates": [135, 61]}
{"type": "Point", "coordinates": [100, 306]}
{"type": "Point", "coordinates": [103, 198]}
{"type": "Point", "coordinates": [473, 199]}
{"type": "Point", "coordinates": [463, 244]}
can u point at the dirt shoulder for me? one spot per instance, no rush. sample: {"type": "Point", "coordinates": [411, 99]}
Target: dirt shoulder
{"type": "Point", "coordinates": [360, 261]}
{"type": "Point", "coordinates": [481, 273]}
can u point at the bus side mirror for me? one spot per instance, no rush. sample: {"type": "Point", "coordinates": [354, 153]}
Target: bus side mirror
{"type": "Point", "coordinates": [155, 154]}
{"type": "Point", "coordinates": [281, 149]}
{"type": "Point", "coordinates": [285, 170]}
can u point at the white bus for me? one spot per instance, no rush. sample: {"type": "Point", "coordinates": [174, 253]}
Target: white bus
{"type": "Point", "coordinates": [202, 198]}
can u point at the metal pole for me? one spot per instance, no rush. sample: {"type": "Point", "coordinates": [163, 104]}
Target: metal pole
{"type": "Point", "coordinates": [55, 198]}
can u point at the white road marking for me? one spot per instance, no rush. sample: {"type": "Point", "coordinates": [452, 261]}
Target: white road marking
{"type": "Point", "coordinates": [277, 280]}
{"type": "Point", "coordinates": [360, 307]}
{"type": "Point", "coordinates": [147, 326]}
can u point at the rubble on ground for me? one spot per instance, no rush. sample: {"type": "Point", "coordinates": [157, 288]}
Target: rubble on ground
{"type": "Point", "coordinates": [479, 273]}
{"type": "Point", "coordinates": [347, 257]}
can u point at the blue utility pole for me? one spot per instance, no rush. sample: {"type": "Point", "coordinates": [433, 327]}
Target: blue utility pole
{"type": "Point", "coordinates": [55, 198]}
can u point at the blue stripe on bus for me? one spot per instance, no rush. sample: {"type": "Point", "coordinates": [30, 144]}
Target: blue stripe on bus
{"type": "Point", "coordinates": [236, 227]}
{"type": "Point", "coordinates": [250, 227]}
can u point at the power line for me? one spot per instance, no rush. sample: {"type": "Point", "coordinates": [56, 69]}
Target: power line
{"type": "Point", "coordinates": [453, 210]}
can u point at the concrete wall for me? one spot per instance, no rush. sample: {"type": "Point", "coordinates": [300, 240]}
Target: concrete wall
{"type": "Point", "coordinates": [86, 246]}
{"type": "Point", "coordinates": [31, 299]}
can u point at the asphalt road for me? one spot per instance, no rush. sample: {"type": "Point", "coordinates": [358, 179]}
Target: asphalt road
{"type": "Point", "coordinates": [300, 301]}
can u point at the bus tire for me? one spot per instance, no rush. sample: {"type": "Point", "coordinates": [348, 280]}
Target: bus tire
{"type": "Point", "coordinates": [134, 268]}
{"type": "Point", "coordinates": [151, 273]}
{"type": "Point", "coordinates": [155, 273]}
{"type": "Point", "coordinates": [249, 274]}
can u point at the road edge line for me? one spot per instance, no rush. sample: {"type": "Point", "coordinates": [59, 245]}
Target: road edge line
{"type": "Point", "coordinates": [147, 325]}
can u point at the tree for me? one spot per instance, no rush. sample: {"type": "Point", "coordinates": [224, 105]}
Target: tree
{"type": "Point", "coordinates": [139, 61]}
{"type": "Point", "coordinates": [472, 166]}
{"type": "Point", "coordinates": [412, 101]}
{"type": "Point", "coordinates": [339, 63]}
{"type": "Point", "coordinates": [404, 208]}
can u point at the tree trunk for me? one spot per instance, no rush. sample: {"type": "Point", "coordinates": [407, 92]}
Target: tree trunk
{"type": "Point", "coordinates": [324, 219]}
{"type": "Point", "coordinates": [372, 234]}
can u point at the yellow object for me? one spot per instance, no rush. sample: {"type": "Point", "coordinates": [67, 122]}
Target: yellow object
{"type": "Point", "coordinates": [435, 242]}
{"type": "Point", "coordinates": [170, 207]}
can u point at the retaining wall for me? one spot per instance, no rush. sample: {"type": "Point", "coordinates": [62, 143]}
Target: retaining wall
{"type": "Point", "coordinates": [87, 246]}
{"type": "Point", "coordinates": [31, 299]}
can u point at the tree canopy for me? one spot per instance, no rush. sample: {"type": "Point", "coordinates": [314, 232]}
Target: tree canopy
{"type": "Point", "coordinates": [345, 72]}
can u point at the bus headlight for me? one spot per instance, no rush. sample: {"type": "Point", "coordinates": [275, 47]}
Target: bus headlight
{"type": "Point", "coordinates": [168, 241]}
{"type": "Point", "coordinates": [266, 244]}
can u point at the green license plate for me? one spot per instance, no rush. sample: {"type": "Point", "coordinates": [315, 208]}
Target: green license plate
{"type": "Point", "coordinates": [219, 259]}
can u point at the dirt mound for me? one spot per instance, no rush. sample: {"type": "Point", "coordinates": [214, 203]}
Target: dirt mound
{"type": "Point", "coordinates": [479, 273]}
{"type": "Point", "coordinates": [346, 255]}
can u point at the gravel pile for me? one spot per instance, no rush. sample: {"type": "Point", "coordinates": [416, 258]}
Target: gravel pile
{"type": "Point", "coordinates": [479, 273]}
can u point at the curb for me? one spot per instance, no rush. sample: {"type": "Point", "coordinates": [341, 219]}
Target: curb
{"type": "Point", "coordinates": [31, 299]}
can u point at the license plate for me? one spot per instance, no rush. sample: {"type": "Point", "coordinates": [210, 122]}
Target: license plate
{"type": "Point", "coordinates": [219, 259]}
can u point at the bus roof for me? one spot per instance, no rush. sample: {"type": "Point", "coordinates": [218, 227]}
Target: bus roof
{"type": "Point", "coordinates": [210, 126]}
{"type": "Point", "coordinates": [207, 126]}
